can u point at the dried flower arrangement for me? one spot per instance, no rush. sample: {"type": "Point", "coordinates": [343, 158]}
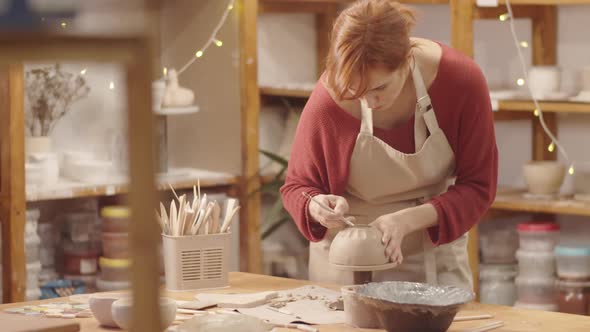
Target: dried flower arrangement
{"type": "Point", "coordinates": [50, 91]}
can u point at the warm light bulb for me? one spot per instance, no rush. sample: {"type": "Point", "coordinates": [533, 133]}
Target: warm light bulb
{"type": "Point", "coordinates": [199, 54]}
{"type": "Point", "coordinates": [536, 112]}
{"type": "Point", "coordinates": [230, 7]}
{"type": "Point", "coordinates": [64, 24]}
{"type": "Point", "coordinates": [112, 85]}
{"type": "Point", "coordinates": [571, 170]}
{"type": "Point", "coordinates": [165, 71]}
{"type": "Point", "coordinates": [218, 42]}
{"type": "Point", "coordinates": [83, 71]}
{"type": "Point", "coordinates": [551, 147]}
{"type": "Point", "coordinates": [503, 17]}
{"type": "Point", "coordinates": [524, 44]}
{"type": "Point", "coordinates": [520, 81]}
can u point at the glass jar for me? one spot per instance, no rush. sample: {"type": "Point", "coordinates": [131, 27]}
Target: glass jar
{"type": "Point", "coordinates": [573, 296]}
{"type": "Point", "coordinates": [538, 236]}
{"type": "Point", "coordinates": [497, 284]}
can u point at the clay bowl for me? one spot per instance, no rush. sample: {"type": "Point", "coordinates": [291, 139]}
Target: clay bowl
{"type": "Point", "coordinates": [407, 306]}
{"type": "Point", "coordinates": [543, 177]}
{"type": "Point", "coordinates": [356, 312]}
{"type": "Point", "coordinates": [100, 305]}
{"type": "Point", "coordinates": [359, 248]}
{"type": "Point", "coordinates": [121, 310]}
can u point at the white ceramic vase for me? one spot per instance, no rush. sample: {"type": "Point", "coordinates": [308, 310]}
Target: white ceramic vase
{"type": "Point", "coordinates": [37, 145]}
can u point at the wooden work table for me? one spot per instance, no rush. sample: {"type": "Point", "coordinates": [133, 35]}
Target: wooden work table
{"type": "Point", "coordinates": [516, 320]}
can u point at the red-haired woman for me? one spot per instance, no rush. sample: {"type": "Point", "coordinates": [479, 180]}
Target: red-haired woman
{"type": "Point", "coordinates": [399, 133]}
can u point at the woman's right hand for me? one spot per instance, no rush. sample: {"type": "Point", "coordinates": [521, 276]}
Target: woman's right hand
{"type": "Point", "coordinates": [323, 216]}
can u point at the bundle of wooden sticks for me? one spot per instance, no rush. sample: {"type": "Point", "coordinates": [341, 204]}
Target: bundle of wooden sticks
{"type": "Point", "coordinates": [200, 216]}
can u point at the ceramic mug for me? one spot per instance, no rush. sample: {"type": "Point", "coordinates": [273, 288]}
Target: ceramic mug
{"type": "Point", "coordinates": [544, 80]}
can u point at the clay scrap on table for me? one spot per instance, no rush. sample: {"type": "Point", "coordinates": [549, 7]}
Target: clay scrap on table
{"type": "Point", "coordinates": [236, 301]}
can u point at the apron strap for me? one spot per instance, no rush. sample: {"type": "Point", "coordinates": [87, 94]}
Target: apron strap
{"type": "Point", "coordinates": [424, 115]}
{"type": "Point", "coordinates": [366, 118]}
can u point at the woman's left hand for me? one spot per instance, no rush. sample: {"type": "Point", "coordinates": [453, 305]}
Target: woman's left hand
{"type": "Point", "coordinates": [394, 232]}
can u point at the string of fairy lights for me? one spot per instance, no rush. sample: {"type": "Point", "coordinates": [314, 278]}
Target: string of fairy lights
{"type": "Point", "coordinates": [213, 40]}
{"type": "Point", "coordinates": [521, 81]}
{"type": "Point", "coordinates": [537, 111]}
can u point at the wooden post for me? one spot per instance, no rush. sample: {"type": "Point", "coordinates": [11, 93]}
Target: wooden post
{"type": "Point", "coordinates": [250, 247]}
{"type": "Point", "coordinates": [324, 22]}
{"type": "Point", "coordinates": [12, 182]}
{"type": "Point", "coordinates": [462, 15]}
{"type": "Point", "coordinates": [544, 53]}
{"type": "Point", "coordinates": [144, 232]}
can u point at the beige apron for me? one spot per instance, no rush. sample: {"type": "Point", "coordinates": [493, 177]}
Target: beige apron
{"type": "Point", "coordinates": [383, 180]}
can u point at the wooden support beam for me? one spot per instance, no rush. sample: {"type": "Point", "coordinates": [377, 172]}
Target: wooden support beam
{"type": "Point", "coordinates": [12, 182]}
{"type": "Point", "coordinates": [250, 244]}
{"type": "Point", "coordinates": [324, 22]}
{"type": "Point", "coordinates": [545, 36]}
{"type": "Point", "coordinates": [462, 15]}
{"type": "Point", "coordinates": [145, 270]}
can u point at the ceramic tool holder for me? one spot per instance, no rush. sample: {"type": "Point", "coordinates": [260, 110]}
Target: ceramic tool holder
{"type": "Point", "coordinates": [196, 261]}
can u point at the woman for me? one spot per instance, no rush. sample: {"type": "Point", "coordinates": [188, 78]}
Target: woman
{"type": "Point", "coordinates": [399, 133]}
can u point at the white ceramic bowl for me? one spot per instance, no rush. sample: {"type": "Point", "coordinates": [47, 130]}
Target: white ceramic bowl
{"type": "Point", "coordinates": [121, 311]}
{"type": "Point", "coordinates": [544, 79]}
{"type": "Point", "coordinates": [543, 177]}
{"type": "Point", "coordinates": [100, 305]}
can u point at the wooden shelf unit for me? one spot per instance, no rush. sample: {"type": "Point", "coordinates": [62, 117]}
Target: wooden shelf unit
{"type": "Point", "coordinates": [69, 189]}
{"type": "Point", "coordinates": [280, 92]}
{"type": "Point", "coordinates": [546, 106]}
{"type": "Point", "coordinates": [516, 200]}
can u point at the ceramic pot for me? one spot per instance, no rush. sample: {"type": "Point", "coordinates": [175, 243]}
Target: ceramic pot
{"type": "Point", "coordinates": [100, 305]}
{"type": "Point", "coordinates": [358, 246]}
{"type": "Point", "coordinates": [356, 312]}
{"type": "Point", "coordinates": [544, 80]}
{"type": "Point", "coordinates": [544, 177]}
{"type": "Point", "coordinates": [37, 144]}
{"type": "Point", "coordinates": [121, 310]}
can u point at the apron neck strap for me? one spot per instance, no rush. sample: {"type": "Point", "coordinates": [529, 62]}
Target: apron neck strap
{"type": "Point", "coordinates": [421, 92]}
{"type": "Point", "coordinates": [424, 117]}
{"type": "Point", "coordinates": [366, 118]}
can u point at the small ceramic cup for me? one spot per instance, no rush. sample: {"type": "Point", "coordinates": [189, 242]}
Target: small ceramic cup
{"type": "Point", "coordinates": [121, 310]}
{"type": "Point", "coordinates": [100, 305]}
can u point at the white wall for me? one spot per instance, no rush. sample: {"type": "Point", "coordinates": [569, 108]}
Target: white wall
{"type": "Point", "coordinates": [494, 52]}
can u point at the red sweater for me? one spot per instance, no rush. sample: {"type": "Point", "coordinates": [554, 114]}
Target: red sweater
{"type": "Point", "coordinates": [326, 136]}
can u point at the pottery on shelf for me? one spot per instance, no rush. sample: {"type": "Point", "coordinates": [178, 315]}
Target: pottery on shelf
{"type": "Point", "coordinates": [158, 89]}
{"type": "Point", "coordinates": [174, 94]}
{"type": "Point", "coordinates": [37, 144]}
{"type": "Point", "coordinates": [543, 177]}
{"type": "Point", "coordinates": [100, 305]}
{"type": "Point", "coordinates": [544, 80]}
{"type": "Point", "coordinates": [359, 248]}
{"type": "Point", "coordinates": [582, 181]}
{"type": "Point", "coordinates": [121, 311]}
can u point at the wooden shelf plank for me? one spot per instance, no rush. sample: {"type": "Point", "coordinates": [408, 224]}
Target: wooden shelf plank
{"type": "Point", "coordinates": [546, 2]}
{"type": "Point", "coordinates": [69, 189]}
{"type": "Point", "coordinates": [514, 200]}
{"type": "Point", "coordinates": [546, 106]}
{"type": "Point", "coordinates": [279, 92]}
